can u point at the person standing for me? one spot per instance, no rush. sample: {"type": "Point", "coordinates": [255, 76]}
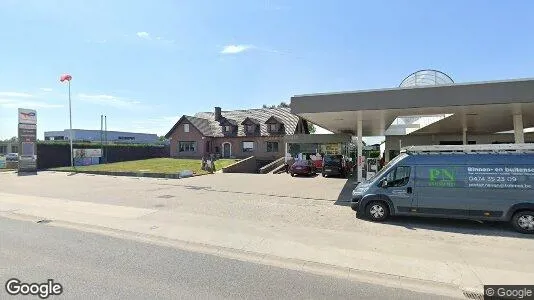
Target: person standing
{"type": "Point", "coordinates": [203, 163]}
{"type": "Point", "coordinates": [286, 162]}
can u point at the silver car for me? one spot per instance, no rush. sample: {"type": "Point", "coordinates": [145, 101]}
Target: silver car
{"type": "Point", "coordinates": [12, 157]}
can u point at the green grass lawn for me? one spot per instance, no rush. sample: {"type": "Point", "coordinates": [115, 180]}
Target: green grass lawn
{"type": "Point", "coordinates": [154, 165]}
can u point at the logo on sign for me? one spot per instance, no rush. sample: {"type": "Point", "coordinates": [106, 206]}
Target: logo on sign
{"type": "Point", "coordinates": [442, 177]}
{"type": "Point", "coordinates": [27, 116]}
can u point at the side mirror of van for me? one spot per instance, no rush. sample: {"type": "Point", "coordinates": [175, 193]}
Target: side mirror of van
{"type": "Point", "coordinates": [384, 183]}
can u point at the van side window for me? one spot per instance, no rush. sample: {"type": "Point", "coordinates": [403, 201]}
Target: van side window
{"type": "Point", "coordinates": [399, 176]}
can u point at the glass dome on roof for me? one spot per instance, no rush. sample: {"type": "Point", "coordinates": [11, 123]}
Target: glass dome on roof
{"type": "Point", "coordinates": [426, 77]}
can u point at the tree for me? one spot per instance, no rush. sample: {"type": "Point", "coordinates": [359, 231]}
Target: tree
{"type": "Point", "coordinates": [281, 105]}
{"type": "Point", "coordinates": [311, 127]}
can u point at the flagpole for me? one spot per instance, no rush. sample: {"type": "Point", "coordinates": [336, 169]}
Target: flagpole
{"type": "Point", "coordinates": [70, 131]}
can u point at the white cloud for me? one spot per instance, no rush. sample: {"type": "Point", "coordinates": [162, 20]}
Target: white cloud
{"type": "Point", "coordinates": [15, 94]}
{"type": "Point", "coordinates": [109, 100]}
{"type": "Point", "coordinates": [147, 36]}
{"type": "Point", "coordinates": [234, 49]}
{"type": "Point", "coordinates": [143, 35]}
{"type": "Point", "coordinates": [46, 89]}
{"type": "Point", "coordinates": [18, 99]}
{"type": "Point", "coordinates": [11, 103]}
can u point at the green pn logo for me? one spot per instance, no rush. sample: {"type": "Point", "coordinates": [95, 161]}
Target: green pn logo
{"type": "Point", "coordinates": [442, 177]}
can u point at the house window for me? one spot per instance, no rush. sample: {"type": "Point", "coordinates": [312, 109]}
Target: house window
{"type": "Point", "coordinates": [250, 128]}
{"type": "Point", "coordinates": [187, 146]}
{"type": "Point", "coordinates": [273, 127]}
{"type": "Point", "coordinates": [186, 127]}
{"type": "Point", "coordinates": [227, 128]}
{"type": "Point", "coordinates": [3, 149]}
{"type": "Point", "coordinates": [272, 146]}
{"type": "Point", "coordinates": [248, 146]}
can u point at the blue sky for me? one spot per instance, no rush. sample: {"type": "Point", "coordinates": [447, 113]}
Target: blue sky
{"type": "Point", "coordinates": [145, 63]}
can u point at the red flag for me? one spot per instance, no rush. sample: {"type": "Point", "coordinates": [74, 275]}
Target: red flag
{"type": "Point", "coordinates": [66, 77]}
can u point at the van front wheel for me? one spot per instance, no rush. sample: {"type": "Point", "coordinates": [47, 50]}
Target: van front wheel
{"type": "Point", "coordinates": [377, 211]}
{"type": "Point", "coordinates": [523, 221]}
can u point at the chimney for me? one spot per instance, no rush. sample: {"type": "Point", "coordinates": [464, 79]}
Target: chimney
{"type": "Point", "coordinates": [218, 114]}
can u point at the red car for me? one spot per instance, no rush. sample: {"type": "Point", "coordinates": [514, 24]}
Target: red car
{"type": "Point", "coordinates": [303, 167]}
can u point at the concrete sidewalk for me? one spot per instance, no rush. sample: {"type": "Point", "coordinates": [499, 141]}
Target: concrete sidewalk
{"type": "Point", "coordinates": [443, 267]}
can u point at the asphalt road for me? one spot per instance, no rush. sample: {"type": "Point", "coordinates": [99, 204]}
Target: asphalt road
{"type": "Point", "coordinates": [101, 267]}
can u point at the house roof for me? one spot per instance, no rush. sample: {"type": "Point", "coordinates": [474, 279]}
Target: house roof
{"type": "Point", "coordinates": [202, 125]}
{"type": "Point", "coordinates": [226, 121]}
{"type": "Point", "coordinates": [205, 121]}
{"type": "Point", "coordinates": [249, 120]}
{"type": "Point", "coordinates": [273, 119]}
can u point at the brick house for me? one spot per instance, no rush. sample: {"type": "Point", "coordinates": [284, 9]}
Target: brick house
{"type": "Point", "coordinates": [238, 133]}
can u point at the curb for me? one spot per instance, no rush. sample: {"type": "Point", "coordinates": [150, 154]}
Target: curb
{"type": "Point", "coordinates": [317, 268]}
{"type": "Point", "coordinates": [129, 174]}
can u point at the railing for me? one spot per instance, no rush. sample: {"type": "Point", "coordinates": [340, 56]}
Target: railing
{"type": "Point", "coordinates": [247, 165]}
{"type": "Point", "coordinates": [270, 167]}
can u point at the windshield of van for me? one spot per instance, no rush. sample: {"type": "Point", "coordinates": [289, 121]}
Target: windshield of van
{"type": "Point", "coordinates": [388, 166]}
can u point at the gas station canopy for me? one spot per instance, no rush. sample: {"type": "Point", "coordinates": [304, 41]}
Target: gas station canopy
{"type": "Point", "coordinates": [480, 107]}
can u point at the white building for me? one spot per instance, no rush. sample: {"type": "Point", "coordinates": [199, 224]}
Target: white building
{"type": "Point", "coordinates": [83, 135]}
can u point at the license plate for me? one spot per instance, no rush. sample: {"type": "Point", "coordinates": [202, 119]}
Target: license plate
{"type": "Point", "coordinates": [328, 170]}
{"type": "Point", "coordinates": [298, 168]}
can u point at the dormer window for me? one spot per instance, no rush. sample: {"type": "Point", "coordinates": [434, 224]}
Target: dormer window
{"type": "Point", "coordinates": [228, 126]}
{"type": "Point", "coordinates": [275, 125]}
{"type": "Point", "coordinates": [250, 125]}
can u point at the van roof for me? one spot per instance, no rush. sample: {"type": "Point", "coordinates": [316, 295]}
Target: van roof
{"type": "Point", "coordinates": [465, 159]}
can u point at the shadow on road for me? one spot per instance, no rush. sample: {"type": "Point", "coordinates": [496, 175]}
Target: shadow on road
{"type": "Point", "coordinates": [345, 195]}
{"type": "Point", "coordinates": [306, 176]}
{"type": "Point", "coordinates": [27, 173]}
{"type": "Point", "coordinates": [471, 227]}
{"type": "Point", "coordinates": [210, 189]}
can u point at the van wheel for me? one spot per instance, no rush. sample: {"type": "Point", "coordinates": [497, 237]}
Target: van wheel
{"type": "Point", "coordinates": [523, 221]}
{"type": "Point", "coordinates": [324, 175]}
{"type": "Point", "coordinates": [292, 174]}
{"type": "Point", "coordinates": [377, 211]}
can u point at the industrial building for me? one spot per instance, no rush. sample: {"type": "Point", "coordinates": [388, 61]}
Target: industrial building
{"type": "Point", "coordinates": [117, 137]}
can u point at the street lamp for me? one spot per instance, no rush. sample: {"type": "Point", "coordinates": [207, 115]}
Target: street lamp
{"type": "Point", "coordinates": [68, 78]}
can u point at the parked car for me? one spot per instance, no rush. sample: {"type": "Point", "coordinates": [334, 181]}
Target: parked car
{"type": "Point", "coordinates": [335, 165]}
{"type": "Point", "coordinates": [303, 167]}
{"type": "Point", "coordinates": [316, 159]}
{"type": "Point", "coordinates": [12, 157]}
{"type": "Point", "coordinates": [493, 187]}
